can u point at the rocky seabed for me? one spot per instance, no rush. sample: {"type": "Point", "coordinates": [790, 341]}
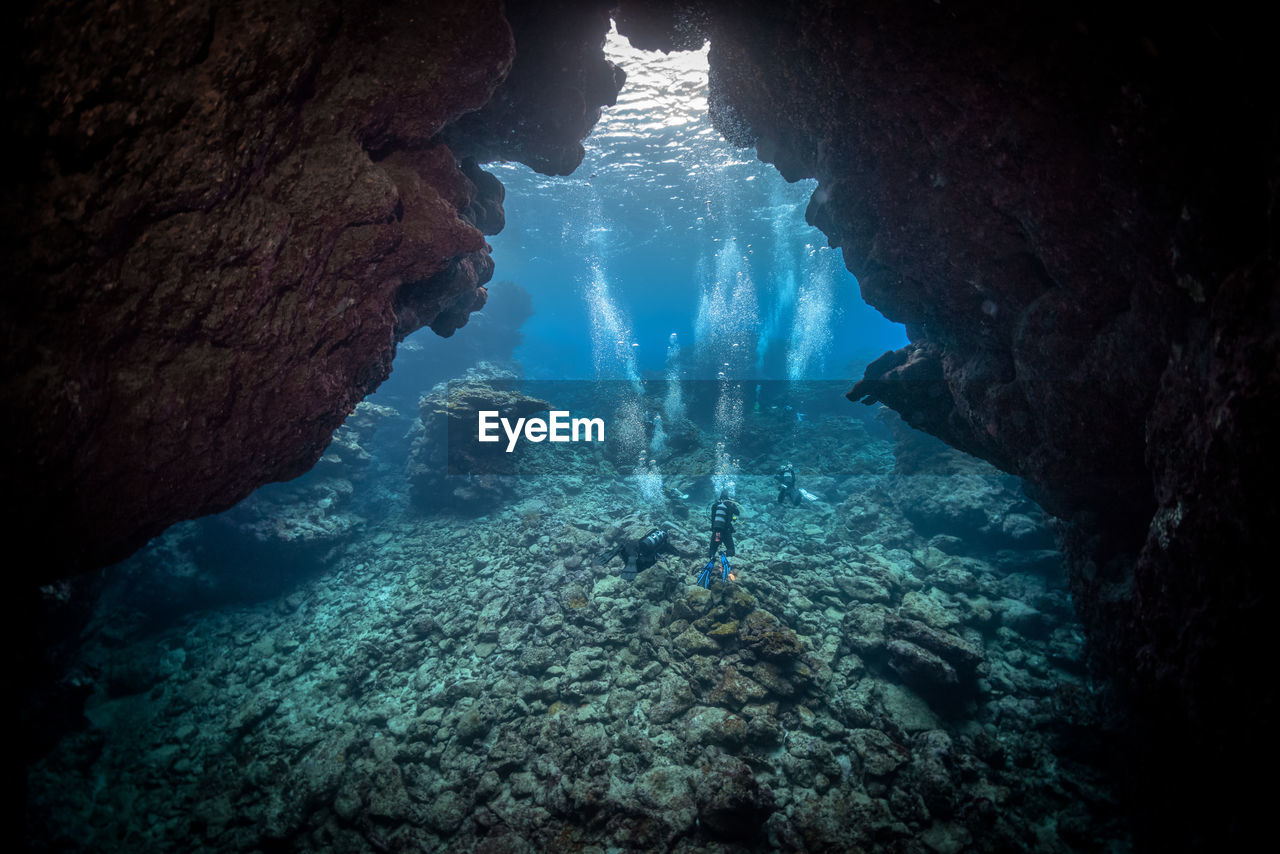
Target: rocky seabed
{"type": "Point", "coordinates": [487, 686]}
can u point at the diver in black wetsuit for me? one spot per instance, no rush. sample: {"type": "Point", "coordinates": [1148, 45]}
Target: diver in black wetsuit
{"type": "Point", "coordinates": [724, 512]}
{"type": "Point", "coordinates": [787, 488]}
{"type": "Point", "coordinates": [641, 554]}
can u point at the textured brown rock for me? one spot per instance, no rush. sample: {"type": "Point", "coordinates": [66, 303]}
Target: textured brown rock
{"type": "Point", "coordinates": [975, 206]}
{"type": "Point", "coordinates": [221, 219]}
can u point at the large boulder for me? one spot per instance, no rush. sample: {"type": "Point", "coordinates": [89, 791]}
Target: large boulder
{"type": "Point", "coordinates": [448, 468]}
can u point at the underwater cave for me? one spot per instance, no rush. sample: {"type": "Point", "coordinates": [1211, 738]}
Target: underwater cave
{"type": "Point", "coordinates": [936, 350]}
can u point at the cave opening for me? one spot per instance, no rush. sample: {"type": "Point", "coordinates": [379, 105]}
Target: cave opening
{"type": "Point", "coordinates": [377, 655]}
{"type": "Point", "coordinates": [903, 598]}
{"type": "Point", "coordinates": [634, 243]}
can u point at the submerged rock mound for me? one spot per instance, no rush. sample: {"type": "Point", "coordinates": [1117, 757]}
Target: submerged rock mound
{"type": "Point", "coordinates": [448, 469]}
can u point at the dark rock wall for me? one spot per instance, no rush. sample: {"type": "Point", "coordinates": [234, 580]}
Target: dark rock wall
{"type": "Point", "coordinates": [552, 98]}
{"type": "Point", "coordinates": [1071, 208]}
{"type": "Point", "coordinates": [220, 220]}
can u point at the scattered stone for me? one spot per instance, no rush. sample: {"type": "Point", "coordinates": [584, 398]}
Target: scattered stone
{"type": "Point", "coordinates": [764, 634]}
{"type": "Point", "coordinates": [1023, 619]}
{"type": "Point", "coordinates": [665, 793]}
{"type": "Point", "coordinates": [694, 642]}
{"type": "Point", "coordinates": [864, 629]}
{"type": "Point", "coordinates": [954, 650]}
{"type": "Point", "coordinates": [946, 838]}
{"type": "Point", "coordinates": [880, 755]}
{"type": "Point", "coordinates": [932, 609]}
{"type": "Point", "coordinates": [731, 802]}
{"type": "Point", "coordinates": [919, 667]}
{"type": "Point", "coordinates": [906, 709]}
{"type": "Point", "coordinates": [789, 709]}
{"type": "Point", "coordinates": [446, 813]}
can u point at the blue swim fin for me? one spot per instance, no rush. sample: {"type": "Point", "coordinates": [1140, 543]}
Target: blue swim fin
{"type": "Point", "coordinates": [704, 577]}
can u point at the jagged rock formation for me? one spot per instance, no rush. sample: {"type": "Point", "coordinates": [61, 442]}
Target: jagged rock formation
{"type": "Point", "coordinates": [221, 219]}
{"type": "Point", "coordinates": [553, 96]}
{"type": "Point", "coordinates": [448, 468]}
{"type": "Point", "coordinates": [1071, 208]}
{"type": "Point", "coordinates": [491, 335]}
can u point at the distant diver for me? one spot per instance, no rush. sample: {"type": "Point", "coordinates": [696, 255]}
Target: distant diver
{"type": "Point", "coordinates": [787, 489]}
{"type": "Point", "coordinates": [638, 555]}
{"type": "Point", "coordinates": [724, 512]}
{"type": "Point", "coordinates": [674, 494]}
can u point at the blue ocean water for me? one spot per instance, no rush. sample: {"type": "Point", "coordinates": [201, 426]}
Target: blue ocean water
{"type": "Point", "coordinates": [666, 228]}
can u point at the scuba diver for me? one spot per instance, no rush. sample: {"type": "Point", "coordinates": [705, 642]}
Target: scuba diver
{"type": "Point", "coordinates": [673, 494]}
{"type": "Point", "coordinates": [724, 512]}
{"type": "Point", "coordinates": [787, 488]}
{"type": "Point", "coordinates": [641, 554]}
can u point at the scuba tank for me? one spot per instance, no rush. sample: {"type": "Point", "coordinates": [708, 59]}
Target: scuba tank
{"type": "Point", "coordinates": [651, 542]}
